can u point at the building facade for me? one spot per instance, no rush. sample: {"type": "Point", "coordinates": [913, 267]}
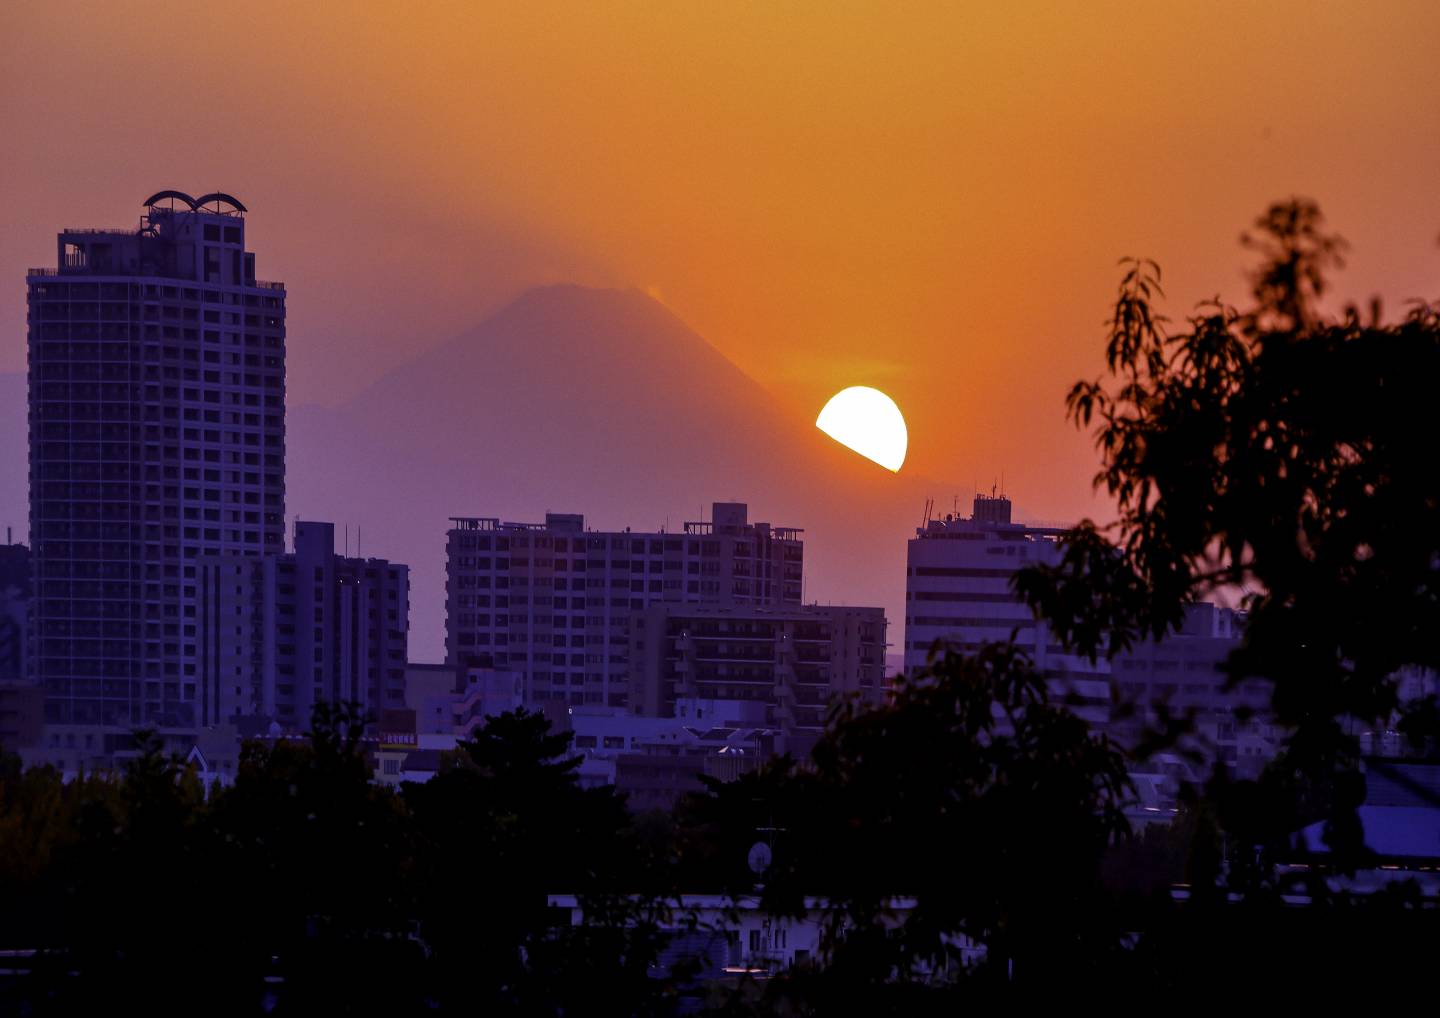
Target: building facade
{"type": "Point", "coordinates": [280, 633]}
{"type": "Point", "coordinates": [655, 761]}
{"type": "Point", "coordinates": [16, 591]}
{"type": "Point", "coordinates": [22, 706]}
{"type": "Point", "coordinates": [794, 662]}
{"type": "Point", "coordinates": [453, 702]}
{"type": "Point", "coordinates": [553, 600]}
{"type": "Point", "coordinates": [157, 436]}
{"type": "Point", "coordinates": [958, 592]}
{"type": "Point", "coordinates": [1183, 677]}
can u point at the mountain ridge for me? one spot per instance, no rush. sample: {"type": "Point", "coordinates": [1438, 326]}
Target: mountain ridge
{"type": "Point", "coordinates": [570, 399]}
{"type": "Point", "coordinates": [597, 401]}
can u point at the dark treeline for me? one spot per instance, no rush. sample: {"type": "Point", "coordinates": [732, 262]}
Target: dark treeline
{"type": "Point", "coordinates": [1274, 451]}
{"type": "Point", "coordinates": [305, 888]}
{"type": "Point", "coordinates": [345, 896]}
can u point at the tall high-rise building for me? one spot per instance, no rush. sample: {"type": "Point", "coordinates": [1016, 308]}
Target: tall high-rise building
{"type": "Point", "coordinates": [553, 600]}
{"type": "Point", "coordinates": [957, 589]}
{"type": "Point", "coordinates": [280, 633]}
{"type": "Point", "coordinates": [157, 435]}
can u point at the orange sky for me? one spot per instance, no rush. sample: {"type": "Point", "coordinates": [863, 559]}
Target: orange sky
{"type": "Point", "coordinates": [929, 199]}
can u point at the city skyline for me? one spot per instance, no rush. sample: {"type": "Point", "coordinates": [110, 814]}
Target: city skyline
{"type": "Point", "coordinates": [750, 168]}
{"type": "Point", "coordinates": [760, 509]}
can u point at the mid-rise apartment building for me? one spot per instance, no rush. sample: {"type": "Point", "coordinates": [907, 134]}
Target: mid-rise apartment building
{"type": "Point", "coordinates": [794, 662]}
{"type": "Point", "coordinates": [280, 633]}
{"type": "Point", "coordinates": [157, 436]}
{"type": "Point", "coordinates": [958, 591]}
{"type": "Point", "coordinates": [553, 600]}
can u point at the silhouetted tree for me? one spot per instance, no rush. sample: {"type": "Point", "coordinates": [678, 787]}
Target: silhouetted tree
{"type": "Point", "coordinates": [110, 893]}
{"type": "Point", "coordinates": [1285, 455]}
{"type": "Point", "coordinates": [505, 826]}
{"type": "Point", "coordinates": [971, 795]}
{"type": "Point", "coordinates": [313, 866]}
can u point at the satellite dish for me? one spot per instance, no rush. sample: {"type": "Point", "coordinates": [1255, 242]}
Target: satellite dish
{"type": "Point", "coordinates": [759, 857]}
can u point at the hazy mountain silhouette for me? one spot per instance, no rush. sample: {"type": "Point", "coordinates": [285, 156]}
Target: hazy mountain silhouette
{"type": "Point", "coordinates": [600, 402]}
{"type": "Point", "coordinates": [570, 400]}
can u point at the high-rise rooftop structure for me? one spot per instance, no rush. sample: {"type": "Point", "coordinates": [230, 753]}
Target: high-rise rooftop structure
{"type": "Point", "coordinates": [157, 435]}
{"type": "Point", "coordinates": [553, 600]}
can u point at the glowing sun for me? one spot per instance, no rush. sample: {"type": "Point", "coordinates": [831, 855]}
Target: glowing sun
{"type": "Point", "coordinates": [867, 421]}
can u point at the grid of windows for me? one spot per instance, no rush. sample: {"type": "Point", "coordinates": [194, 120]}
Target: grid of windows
{"type": "Point", "coordinates": [339, 636]}
{"type": "Point", "coordinates": [554, 601]}
{"type": "Point", "coordinates": [157, 435]}
{"type": "Point", "coordinates": [958, 592]}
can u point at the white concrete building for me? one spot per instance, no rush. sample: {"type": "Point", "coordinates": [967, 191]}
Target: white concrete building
{"type": "Point", "coordinates": [958, 590]}
{"type": "Point", "coordinates": [450, 703]}
{"type": "Point", "coordinates": [282, 632]}
{"type": "Point", "coordinates": [655, 760]}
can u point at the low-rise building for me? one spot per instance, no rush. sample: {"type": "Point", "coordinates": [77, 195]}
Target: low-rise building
{"type": "Point", "coordinates": [723, 938]}
{"type": "Point", "coordinates": [655, 761]}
